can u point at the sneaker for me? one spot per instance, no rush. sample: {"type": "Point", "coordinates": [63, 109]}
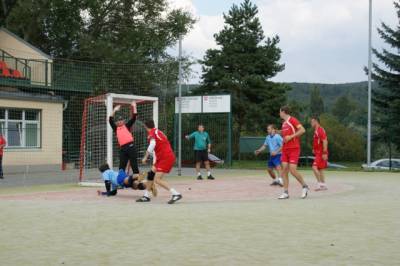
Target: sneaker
{"type": "Point", "coordinates": [174, 199]}
{"type": "Point", "coordinates": [321, 188]}
{"type": "Point", "coordinates": [199, 177]}
{"type": "Point", "coordinates": [210, 177]}
{"type": "Point", "coordinates": [304, 192]}
{"type": "Point", "coordinates": [280, 182]}
{"type": "Point", "coordinates": [143, 199]}
{"type": "Point", "coordinates": [275, 183]}
{"type": "Point", "coordinates": [284, 195]}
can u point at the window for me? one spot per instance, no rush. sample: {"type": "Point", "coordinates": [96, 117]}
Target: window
{"type": "Point", "coordinates": [21, 128]}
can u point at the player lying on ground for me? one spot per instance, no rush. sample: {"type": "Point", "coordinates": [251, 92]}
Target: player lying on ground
{"type": "Point", "coordinates": [320, 150]}
{"type": "Point", "coordinates": [127, 152]}
{"type": "Point", "coordinates": [163, 161]}
{"type": "Point", "coordinates": [116, 180]}
{"type": "Point", "coordinates": [291, 132]}
{"type": "Point", "coordinates": [274, 143]}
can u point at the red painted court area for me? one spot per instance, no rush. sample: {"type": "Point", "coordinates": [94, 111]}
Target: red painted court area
{"type": "Point", "coordinates": [220, 190]}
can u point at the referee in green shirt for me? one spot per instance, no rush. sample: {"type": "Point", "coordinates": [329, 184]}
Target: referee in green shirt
{"type": "Point", "coordinates": [202, 147]}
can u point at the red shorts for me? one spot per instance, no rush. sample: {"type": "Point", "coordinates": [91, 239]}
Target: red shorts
{"type": "Point", "coordinates": [319, 162]}
{"type": "Point", "coordinates": [164, 164]}
{"type": "Point", "coordinates": [290, 156]}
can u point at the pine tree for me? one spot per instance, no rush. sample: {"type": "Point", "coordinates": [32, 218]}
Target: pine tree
{"type": "Point", "coordinates": [387, 99]}
{"type": "Point", "coordinates": [342, 108]}
{"type": "Point", "coordinates": [316, 102]}
{"type": "Point", "coordinates": [242, 66]}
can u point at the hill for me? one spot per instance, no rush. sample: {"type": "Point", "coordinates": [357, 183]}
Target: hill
{"type": "Point", "coordinates": [356, 91]}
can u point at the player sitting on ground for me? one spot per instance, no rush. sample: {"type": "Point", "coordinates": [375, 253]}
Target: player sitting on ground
{"type": "Point", "coordinates": [274, 143]}
{"type": "Point", "coordinates": [164, 160]}
{"type": "Point", "coordinates": [114, 180]}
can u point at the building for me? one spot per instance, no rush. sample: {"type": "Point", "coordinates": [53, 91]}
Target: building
{"type": "Point", "coordinates": [31, 118]}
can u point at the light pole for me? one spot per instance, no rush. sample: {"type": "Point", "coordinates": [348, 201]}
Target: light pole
{"type": "Point", "coordinates": [180, 109]}
{"type": "Point", "coordinates": [369, 85]}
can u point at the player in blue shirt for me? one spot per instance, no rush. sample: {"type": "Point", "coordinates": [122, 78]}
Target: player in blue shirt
{"type": "Point", "coordinates": [119, 180]}
{"type": "Point", "coordinates": [274, 143]}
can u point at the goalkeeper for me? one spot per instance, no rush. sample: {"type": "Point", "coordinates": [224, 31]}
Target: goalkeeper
{"type": "Point", "coordinates": [119, 180]}
{"type": "Point", "coordinates": [122, 129]}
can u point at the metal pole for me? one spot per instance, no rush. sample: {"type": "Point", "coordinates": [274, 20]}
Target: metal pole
{"type": "Point", "coordinates": [180, 110]}
{"type": "Point", "coordinates": [369, 84]}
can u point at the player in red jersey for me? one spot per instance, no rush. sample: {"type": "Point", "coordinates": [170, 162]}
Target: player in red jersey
{"type": "Point", "coordinates": [163, 161]}
{"type": "Point", "coordinates": [320, 150]}
{"type": "Point", "coordinates": [291, 132]}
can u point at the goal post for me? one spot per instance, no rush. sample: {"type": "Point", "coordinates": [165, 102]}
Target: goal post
{"type": "Point", "coordinates": [98, 144]}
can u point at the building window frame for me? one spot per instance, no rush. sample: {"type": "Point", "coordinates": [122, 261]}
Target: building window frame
{"type": "Point", "coordinates": [22, 128]}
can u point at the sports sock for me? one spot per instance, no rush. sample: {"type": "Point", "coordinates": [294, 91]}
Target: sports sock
{"type": "Point", "coordinates": [146, 194]}
{"type": "Point", "coordinates": [208, 173]}
{"type": "Point", "coordinates": [305, 186]}
{"type": "Point", "coordinates": [174, 192]}
{"type": "Point", "coordinates": [286, 191]}
{"type": "Point", "coordinates": [198, 174]}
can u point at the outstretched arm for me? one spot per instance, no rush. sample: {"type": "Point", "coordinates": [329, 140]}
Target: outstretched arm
{"type": "Point", "coordinates": [259, 150]}
{"type": "Point", "coordinates": [110, 190]}
{"type": "Point", "coordinates": [188, 137]}
{"type": "Point", "coordinates": [111, 118]}
{"type": "Point", "coordinates": [132, 121]}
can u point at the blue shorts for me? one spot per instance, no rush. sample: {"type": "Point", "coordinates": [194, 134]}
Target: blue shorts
{"type": "Point", "coordinates": [274, 161]}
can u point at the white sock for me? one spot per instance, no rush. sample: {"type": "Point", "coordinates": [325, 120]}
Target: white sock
{"type": "Point", "coordinates": [146, 194]}
{"type": "Point", "coordinates": [208, 173]}
{"type": "Point", "coordinates": [198, 174]}
{"type": "Point", "coordinates": [174, 192]}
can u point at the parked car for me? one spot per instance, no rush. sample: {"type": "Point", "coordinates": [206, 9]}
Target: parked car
{"type": "Point", "coordinates": [308, 160]}
{"type": "Point", "coordinates": [383, 164]}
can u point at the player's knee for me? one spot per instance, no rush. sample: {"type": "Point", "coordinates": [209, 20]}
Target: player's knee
{"type": "Point", "coordinates": [150, 175]}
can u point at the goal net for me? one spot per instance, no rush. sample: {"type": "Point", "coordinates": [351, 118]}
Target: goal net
{"type": "Point", "coordinates": [98, 143]}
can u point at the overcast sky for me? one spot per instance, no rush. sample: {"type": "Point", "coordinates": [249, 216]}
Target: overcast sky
{"type": "Point", "coordinates": [322, 40]}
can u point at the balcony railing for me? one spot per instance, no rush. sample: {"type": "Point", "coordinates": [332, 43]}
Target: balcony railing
{"type": "Point", "coordinates": [34, 72]}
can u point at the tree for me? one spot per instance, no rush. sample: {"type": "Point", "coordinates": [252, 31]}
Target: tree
{"type": "Point", "coordinates": [316, 102]}
{"type": "Point", "coordinates": [242, 66]}
{"type": "Point", "coordinates": [345, 144]}
{"type": "Point", "coordinates": [387, 99]}
{"type": "Point", "coordinates": [342, 108]}
{"type": "Point", "coordinates": [128, 31]}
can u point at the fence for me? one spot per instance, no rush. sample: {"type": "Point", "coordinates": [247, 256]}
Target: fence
{"type": "Point", "coordinates": [71, 82]}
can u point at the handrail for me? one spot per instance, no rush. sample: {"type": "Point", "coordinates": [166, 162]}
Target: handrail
{"type": "Point", "coordinates": [10, 55]}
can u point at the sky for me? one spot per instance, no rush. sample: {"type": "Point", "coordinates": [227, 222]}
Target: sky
{"type": "Point", "coordinates": [324, 41]}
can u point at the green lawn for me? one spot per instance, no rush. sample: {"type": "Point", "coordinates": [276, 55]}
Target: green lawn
{"type": "Point", "coordinates": [357, 227]}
